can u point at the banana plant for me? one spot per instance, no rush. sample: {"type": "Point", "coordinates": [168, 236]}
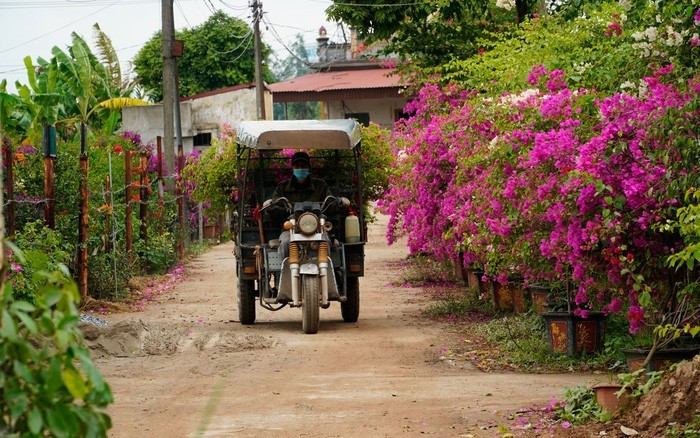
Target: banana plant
{"type": "Point", "coordinates": [8, 102]}
{"type": "Point", "coordinates": [40, 101]}
{"type": "Point", "coordinates": [92, 85]}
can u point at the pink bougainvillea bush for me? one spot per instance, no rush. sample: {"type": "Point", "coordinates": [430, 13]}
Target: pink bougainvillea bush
{"type": "Point", "coordinates": [552, 184]}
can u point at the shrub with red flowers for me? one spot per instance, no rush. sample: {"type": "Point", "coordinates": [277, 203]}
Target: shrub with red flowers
{"type": "Point", "coordinates": [552, 184]}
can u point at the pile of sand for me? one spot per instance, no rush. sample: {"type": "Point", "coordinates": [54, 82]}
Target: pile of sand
{"type": "Point", "coordinates": [134, 337]}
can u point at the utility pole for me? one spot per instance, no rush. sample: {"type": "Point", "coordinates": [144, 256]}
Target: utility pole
{"type": "Point", "coordinates": [168, 92]}
{"type": "Point", "coordinates": [259, 86]}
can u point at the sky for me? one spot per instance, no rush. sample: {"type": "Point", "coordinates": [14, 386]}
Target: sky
{"type": "Point", "coordinates": [33, 27]}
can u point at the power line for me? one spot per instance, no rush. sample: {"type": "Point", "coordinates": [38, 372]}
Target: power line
{"type": "Point", "coordinates": [60, 28]}
{"type": "Point", "coordinates": [235, 8]}
{"type": "Point", "coordinates": [179, 7]}
{"type": "Point", "coordinates": [294, 55]}
{"type": "Point", "coordinates": [17, 5]}
{"type": "Point", "coordinates": [375, 5]}
{"type": "Point", "coordinates": [235, 48]}
{"type": "Point", "coordinates": [243, 52]}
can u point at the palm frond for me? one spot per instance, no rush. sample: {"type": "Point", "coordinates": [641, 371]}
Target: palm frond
{"type": "Point", "coordinates": [108, 56]}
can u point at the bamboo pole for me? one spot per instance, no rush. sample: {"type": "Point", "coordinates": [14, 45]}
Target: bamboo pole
{"type": "Point", "coordinates": [2, 218]}
{"type": "Point", "coordinates": [143, 197]}
{"type": "Point", "coordinates": [161, 203]}
{"type": "Point", "coordinates": [181, 202]}
{"type": "Point", "coordinates": [83, 222]}
{"type": "Point", "coordinates": [10, 211]}
{"type": "Point", "coordinates": [108, 214]}
{"type": "Point", "coordinates": [49, 193]}
{"type": "Point", "coordinates": [127, 181]}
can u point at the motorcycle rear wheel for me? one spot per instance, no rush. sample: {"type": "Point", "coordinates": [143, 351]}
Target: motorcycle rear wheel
{"type": "Point", "coordinates": [350, 308]}
{"type": "Point", "coordinates": [246, 301]}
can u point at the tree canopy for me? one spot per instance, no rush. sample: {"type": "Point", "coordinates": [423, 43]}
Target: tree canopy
{"type": "Point", "coordinates": [433, 32]}
{"type": "Point", "coordinates": [218, 53]}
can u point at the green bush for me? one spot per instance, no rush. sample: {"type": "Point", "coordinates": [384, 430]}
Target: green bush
{"type": "Point", "coordinates": [580, 406]}
{"type": "Point", "coordinates": [422, 270]}
{"type": "Point", "coordinates": [44, 250]}
{"type": "Point", "coordinates": [459, 304]}
{"type": "Point", "coordinates": [158, 254]}
{"type": "Point", "coordinates": [48, 383]}
{"type": "Point", "coordinates": [109, 274]}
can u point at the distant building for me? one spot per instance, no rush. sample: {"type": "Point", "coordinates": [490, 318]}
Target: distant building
{"type": "Point", "coordinates": [201, 115]}
{"type": "Point", "coordinates": [347, 84]}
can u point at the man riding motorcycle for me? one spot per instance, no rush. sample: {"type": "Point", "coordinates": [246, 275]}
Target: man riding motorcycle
{"type": "Point", "coordinates": [300, 187]}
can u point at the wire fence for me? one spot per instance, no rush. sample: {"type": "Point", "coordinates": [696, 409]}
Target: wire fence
{"type": "Point", "coordinates": [122, 205]}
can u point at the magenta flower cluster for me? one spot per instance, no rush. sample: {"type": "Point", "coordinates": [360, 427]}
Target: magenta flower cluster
{"type": "Point", "coordinates": [551, 185]}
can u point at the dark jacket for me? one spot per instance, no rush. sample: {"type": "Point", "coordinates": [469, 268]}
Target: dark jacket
{"type": "Point", "coordinates": [312, 189]}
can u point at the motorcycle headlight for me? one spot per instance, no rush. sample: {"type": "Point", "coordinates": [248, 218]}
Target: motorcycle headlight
{"type": "Point", "coordinates": [308, 223]}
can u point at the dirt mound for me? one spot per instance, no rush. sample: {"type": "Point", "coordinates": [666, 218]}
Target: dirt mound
{"type": "Point", "coordinates": [676, 399]}
{"type": "Point", "coordinates": [231, 343]}
{"type": "Point", "coordinates": [123, 339]}
{"type": "Point", "coordinates": [134, 337]}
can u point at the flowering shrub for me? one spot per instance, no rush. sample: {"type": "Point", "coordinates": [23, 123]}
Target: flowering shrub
{"type": "Point", "coordinates": [551, 184]}
{"type": "Point", "coordinates": [44, 250]}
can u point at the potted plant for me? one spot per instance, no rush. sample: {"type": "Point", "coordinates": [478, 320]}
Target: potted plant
{"type": "Point", "coordinates": [574, 333]}
{"type": "Point", "coordinates": [674, 339]}
{"type": "Point", "coordinates": [543, 298]}
{"type": "Point", "coordinates": [510, 295]}
{"type": "Point", "coordinates": [606, 395]}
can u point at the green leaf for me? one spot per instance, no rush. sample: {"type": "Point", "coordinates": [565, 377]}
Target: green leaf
{"type": "Point", "coordinates": [34, 420]}
{"type": "Point", "coordinates": [67, 322]}
{"type": "Point", "coordinates": [8, 328]}
{"type": "Point", "coordinates": [644, 299]}
{"type": "Point", "coordinates": [23, 306]}
{"type": "Point", "coordinates": [74, 382]}
{"type": "Point", "coordinates": [27, 321]}
{"type": "Point", "coordinates": [53, 381]}
{"type": "Point", "coordinates": [52, 296]}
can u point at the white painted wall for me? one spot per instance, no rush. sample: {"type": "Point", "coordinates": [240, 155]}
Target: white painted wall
{"type": "Point", "coordinates": [201, 115]}
{"type": "Point", "coordinates": [381, 111]}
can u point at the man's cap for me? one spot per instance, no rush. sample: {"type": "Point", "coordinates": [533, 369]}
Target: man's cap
{"type": "Point", "coordinates": [300, 156]}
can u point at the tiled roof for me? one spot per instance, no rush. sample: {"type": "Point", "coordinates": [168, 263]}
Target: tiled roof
{"type": "Point", "coordinates": [338, 80]}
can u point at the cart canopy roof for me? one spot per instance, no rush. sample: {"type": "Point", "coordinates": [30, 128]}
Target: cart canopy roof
{"type": "Point", "coordinates": [297, 134]}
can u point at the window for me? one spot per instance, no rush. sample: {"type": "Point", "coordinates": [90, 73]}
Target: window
{"type": "Point", "coordinates": [400, 114]}
{"type": "Point", "coordinates": [363, 118]}
{"type": "Point", "coordinates": [203, 139]}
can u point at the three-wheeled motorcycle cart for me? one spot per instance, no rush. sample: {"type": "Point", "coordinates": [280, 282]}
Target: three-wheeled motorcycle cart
{"type": "Point", "coordinates": [326, 249]}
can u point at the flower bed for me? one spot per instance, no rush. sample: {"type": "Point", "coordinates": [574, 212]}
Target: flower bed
{"type": "Point", "coordinates": [553, 184]}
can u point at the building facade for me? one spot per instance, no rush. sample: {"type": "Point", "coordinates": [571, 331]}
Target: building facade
{"type": "Point", "coordinates": [201, 115]}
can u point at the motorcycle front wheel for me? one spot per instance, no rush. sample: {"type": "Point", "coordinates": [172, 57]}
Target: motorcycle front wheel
{"type": "Point", "coordinates": [309, 305]}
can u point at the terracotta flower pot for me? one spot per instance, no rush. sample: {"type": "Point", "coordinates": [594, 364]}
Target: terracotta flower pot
{"type": "Point", "coordinates": [605, 396]}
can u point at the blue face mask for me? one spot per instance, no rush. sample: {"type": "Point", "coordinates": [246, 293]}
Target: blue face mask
{"type": "Point", "coordinates": [301, 174]}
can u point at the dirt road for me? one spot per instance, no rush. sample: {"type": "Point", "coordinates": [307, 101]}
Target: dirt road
{"type": "Point", "coordinates": [193, 372]}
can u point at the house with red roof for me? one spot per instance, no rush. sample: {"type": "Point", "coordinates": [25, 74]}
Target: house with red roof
{"type": "Point", "coordinates": [347, 85]}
